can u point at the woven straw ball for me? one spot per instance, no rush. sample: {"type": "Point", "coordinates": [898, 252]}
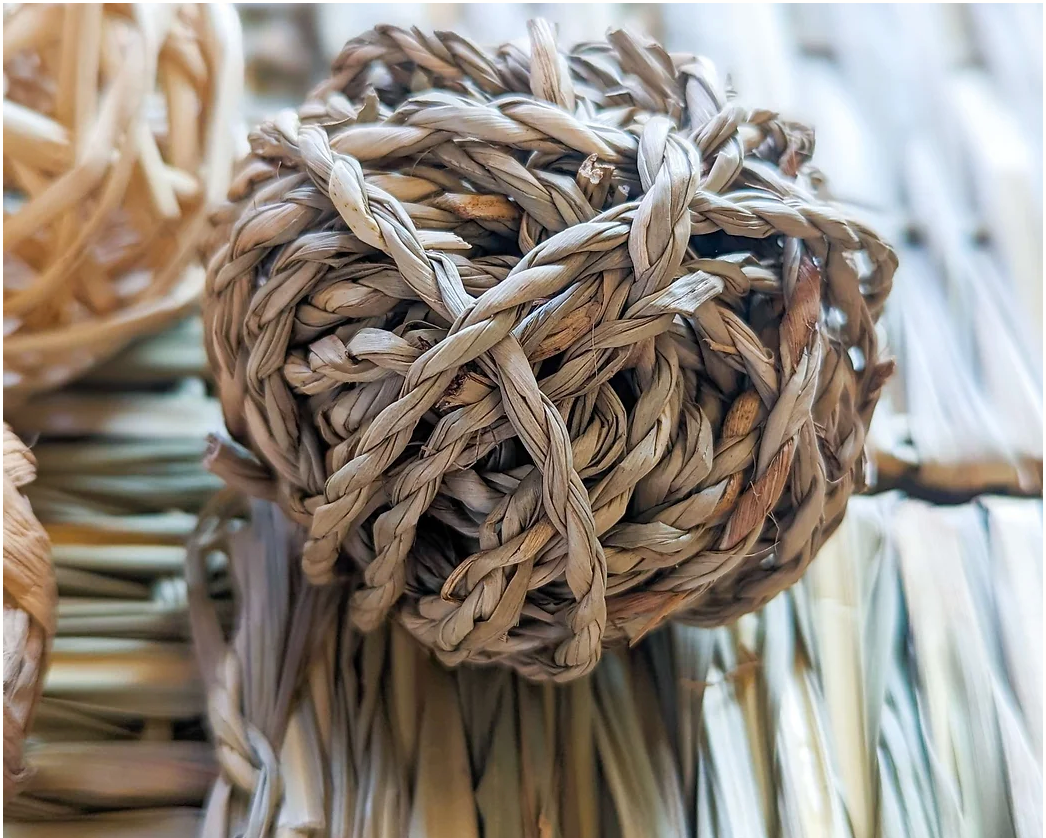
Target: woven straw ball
{"type": "Point", "coordinates": [119, 136]}
{"type": "Point", "coordinates": [544, 347]}
{"type": "Point", "coordinates": [30, 595]}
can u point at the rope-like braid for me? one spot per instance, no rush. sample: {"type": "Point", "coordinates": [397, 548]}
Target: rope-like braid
{"type": "Point", "coordinates": [548, 347]}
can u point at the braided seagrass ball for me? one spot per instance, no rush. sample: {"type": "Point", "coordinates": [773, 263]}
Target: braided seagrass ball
{"type": "Point", "coordinates": [544, 348]}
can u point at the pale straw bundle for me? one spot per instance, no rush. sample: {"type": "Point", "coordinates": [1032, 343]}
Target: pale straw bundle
{"type": "Point", "coordinates": [29, 608]}
{"type": "Point", "coordinates": [119, 477]}
{"type": "Point", "coordinates": [121, 126]}
{"type": "Point", "coordinates": [545, 348]}
{"type": "Point", "coordinates": [864, 701]}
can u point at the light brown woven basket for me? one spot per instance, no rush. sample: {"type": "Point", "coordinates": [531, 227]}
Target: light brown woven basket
{"type": "Point", "coordinates": [30, 594]}
{"type": "Point", "coordinates": [120, 130]}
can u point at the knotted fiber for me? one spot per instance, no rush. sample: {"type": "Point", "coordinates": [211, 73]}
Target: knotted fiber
{"type": "Point", "coordinates": [543, 347]}
{"type": "Point", "coordinates": [30, 595]}
{"type": "Point", "coordinates": [120, 128]}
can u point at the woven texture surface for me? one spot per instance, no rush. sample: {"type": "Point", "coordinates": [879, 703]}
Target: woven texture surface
{"type": "Point", "coordinates": [118, 137]}
{"type": "Point", "coordinates": [30, 596]}
{"type": "Point", "coordinates": [558, 348]}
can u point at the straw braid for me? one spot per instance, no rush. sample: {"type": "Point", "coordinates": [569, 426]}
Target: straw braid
{"type": "Point", "coordinates": [247, 758]}
{"type": "Point", "coordinates": [249, 706]}
{"type": "Point", "coordinates": [540, 343]}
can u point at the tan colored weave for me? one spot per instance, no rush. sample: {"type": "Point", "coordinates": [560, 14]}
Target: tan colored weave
{"type": "Point", "coordinates": [119, 134]}
{"type": "Point", "coordinates": [550, 346]}
{"type": "Point", "coordinates": [30, 595]}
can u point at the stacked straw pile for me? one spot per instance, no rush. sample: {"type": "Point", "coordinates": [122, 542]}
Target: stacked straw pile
{"type": "Point", "coordinates": [120, 476]}
{"type": "Point", "coordinates": [877, 697]}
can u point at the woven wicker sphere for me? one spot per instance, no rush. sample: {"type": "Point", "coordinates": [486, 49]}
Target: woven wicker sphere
{"type": "Point", "coordinates": [119, 133]}
{"type": "Point", "coordinates": [543, 347]}
{"type": "Point", "coordinates": [30, 596]}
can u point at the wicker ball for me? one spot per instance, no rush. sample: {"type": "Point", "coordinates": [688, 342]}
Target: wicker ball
{"type": "Point", "coordinates": [119, 136]}
{"type": "Point", "coordinates": [545, 348]}
{"type": "Point", "coordinates": [30, 596]}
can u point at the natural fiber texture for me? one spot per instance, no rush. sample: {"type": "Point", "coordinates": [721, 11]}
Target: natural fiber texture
{"type": "Point", "coordinates": [550, 346]}
{"type": "Point", "coordinates": [29, 608]}
{"type": "Point", "coordinates": [119, 481]}
{"type": "Point", "coordinates": [883, 695]}
{"type": "Point", "coordinates": [253, 678]}
{"type": "Point", "coordinates": [120, 127]}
